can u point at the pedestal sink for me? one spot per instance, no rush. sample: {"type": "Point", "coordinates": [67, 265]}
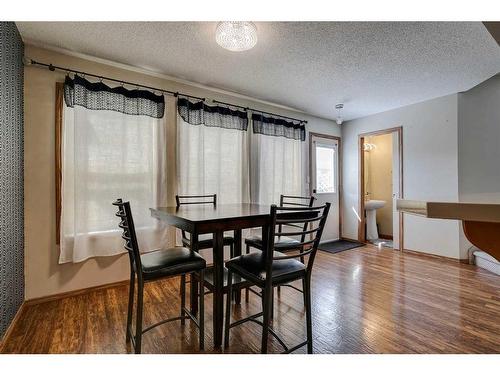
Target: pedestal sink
{"type": "Point", "coordinates": [371, 208]}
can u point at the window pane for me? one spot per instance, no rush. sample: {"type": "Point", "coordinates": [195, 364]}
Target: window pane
{"type": "Point", "coordinates": [325, 172]}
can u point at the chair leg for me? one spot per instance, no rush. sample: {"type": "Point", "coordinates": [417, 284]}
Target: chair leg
{"type": "Point", "coordinates": [231, 251]}
{"type": "Point", "coordinates": [247, 290]}
{"type": "Point", "coordinates": [304, 291]}
{"type": "Point", "coordinates": [267, 295]}
{"type": "Point", "coordinates": [237, 296]}
{"type": "Point", "coordinates": [228, 308]}
{"type": "Point", "coordinates": [307, 298]}
{"type": "Point", "coordinates": [130, 306]}
{"type": "Point", "coordinates": [138, 323]}
{"type": "Point", "coordinates": [183, 299]}
{"type": "Point", "coordinates": [194, 295]}
{"type": "Point", "coordinates": [180, 287]}
{"type": "Point", "coordinates": [201, 317]}
{"type": "Point", "coordinates": [272, 305]}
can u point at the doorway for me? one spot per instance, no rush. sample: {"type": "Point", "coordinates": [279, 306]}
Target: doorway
{"type": "Point", "coordinates": [325, 179]}
{"type": "Point", "coordinates": [380, 185]}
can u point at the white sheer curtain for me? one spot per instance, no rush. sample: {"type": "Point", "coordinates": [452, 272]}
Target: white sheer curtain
{"type": "Point", "coordinates": [213, 160]}
{"type": "Point", "coordinates": [276, 168]}
{"type": "Point", "coordinates": [276, 162]}
{"type": "Point", "coordinates": [107, 155]}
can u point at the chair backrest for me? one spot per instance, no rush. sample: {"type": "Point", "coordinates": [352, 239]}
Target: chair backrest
{"type": "Point", "coordinates": [182, 200]}
{"type": "Point", "coordinates": [294, 200]}
{"type": "Point", "coordinates": [127, 225]}
{"type": "Point", "coordinates": [196, 199]}
{"type": "Point", "coordinates": [306, 221]}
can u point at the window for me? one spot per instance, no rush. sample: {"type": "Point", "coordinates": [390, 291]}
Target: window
{"type": "Point", "coordinates": [277, 168]}
{"type": "Point", "coordinates": [107, 153]}
{"type": "Point", "coordinates": [217, 155]}
{"type": "Point", "coordinates": [212, 151]}
{"type": "Point", "coordinates": [325, 169]}
{"type": "Point", "coordinates": [277, 146]}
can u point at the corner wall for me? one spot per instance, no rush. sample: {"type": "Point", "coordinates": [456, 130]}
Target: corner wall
{"type": "Point", "coordinates": [430, 169]}
{"type": "Point", "coordinates": [11, 174]}
{"type": "Point", "coordinates": [479, 146]}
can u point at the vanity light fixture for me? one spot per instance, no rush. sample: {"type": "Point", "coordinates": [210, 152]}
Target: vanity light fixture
{"type": "Point", "coordinates": [236, 36]}
{"type": "Point", "coordinates": [369, 146]}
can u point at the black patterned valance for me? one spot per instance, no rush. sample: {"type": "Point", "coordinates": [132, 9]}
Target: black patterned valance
{"type": "Point", "coordinates": [98, 96]}
{"type": "Point", "coordinates": [199, 113]}
{"type": "Point", "coordinates": [278, 127]}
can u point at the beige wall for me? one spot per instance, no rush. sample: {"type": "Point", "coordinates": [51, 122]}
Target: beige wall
{"type": "Point", "coordinates": [44, 276]}
{"type": "Point", "coordinates": [378, 178]}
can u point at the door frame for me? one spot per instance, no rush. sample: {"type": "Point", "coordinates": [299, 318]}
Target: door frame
{"type": "Point", "coordinates": [339, 158]}
{"type": "Point", "coordinates": [361, 181]}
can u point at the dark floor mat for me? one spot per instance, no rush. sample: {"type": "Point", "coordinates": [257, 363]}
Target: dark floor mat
{"type": "Point", "coordinates": [339, 245]}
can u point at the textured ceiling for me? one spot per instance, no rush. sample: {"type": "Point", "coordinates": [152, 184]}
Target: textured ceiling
{"type": "Point", "coordinates": [311, 66]}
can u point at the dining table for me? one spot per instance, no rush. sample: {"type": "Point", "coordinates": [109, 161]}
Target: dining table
{"type": "Point", "coordinates": [215, 219]}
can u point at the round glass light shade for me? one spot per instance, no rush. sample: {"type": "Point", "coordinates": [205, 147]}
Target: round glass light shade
{"type": "Point", "coordinates": [236, 36]}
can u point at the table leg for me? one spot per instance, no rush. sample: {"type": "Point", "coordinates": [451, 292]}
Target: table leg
{"type": "Point", "coordinates": [237, 253]}
{"type": "Point", "coordinates": [193, 295]}
{"type": "Point", "coordinates": [218, 297]}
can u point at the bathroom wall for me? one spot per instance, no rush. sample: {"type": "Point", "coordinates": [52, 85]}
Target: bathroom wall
{"type": "Point", "coordinates": [378, 170]}
{"type": "Point", "coordinates": [11, 174]}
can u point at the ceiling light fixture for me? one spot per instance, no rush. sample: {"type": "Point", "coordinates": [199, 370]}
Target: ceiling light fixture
{"type": "Point", "coordinates": [236, 36]}
{"type": "Point", "coordinates": [339, 119]}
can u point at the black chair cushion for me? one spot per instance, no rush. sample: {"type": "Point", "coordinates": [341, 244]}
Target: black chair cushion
{"type": "Point", "coordinates": [282, 243]}
{"type": "Point", "coordinates": [238, 281]}
{"type": "Point", "coordinates": [252, 267]}
{"type": "Point", "coordinates": [171, 262]}
{"type": "Point", "coordinates": [208, 243]}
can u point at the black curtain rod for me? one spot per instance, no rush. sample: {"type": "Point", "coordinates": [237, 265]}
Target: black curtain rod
{"type": "Point", "coordinates": [258, 110]}
{"type": "Point", "coordinates": [68, 70]}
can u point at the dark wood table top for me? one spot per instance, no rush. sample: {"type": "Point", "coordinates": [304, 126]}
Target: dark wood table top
{"type": "Point", "coordinates": [207, 218]}
{"type": "Point", "coordinates": [208, 212]}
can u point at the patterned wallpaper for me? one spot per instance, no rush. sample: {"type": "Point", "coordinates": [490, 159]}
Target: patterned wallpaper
{"type": "Point", "coordinates": [11, 174]}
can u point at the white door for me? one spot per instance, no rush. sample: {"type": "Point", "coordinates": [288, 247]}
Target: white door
{"type": "Point", "coordinates": [325, 181]}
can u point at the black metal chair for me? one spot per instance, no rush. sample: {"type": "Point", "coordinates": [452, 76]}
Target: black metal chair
{"type": "Point", "coordinates": [283, 243]}
{"type": "Point", "coordinates": [205, 243]}
{"type": "Point", "coordinates": [269, 268]}
{"type": "Point", "coordinates": [177, 261]}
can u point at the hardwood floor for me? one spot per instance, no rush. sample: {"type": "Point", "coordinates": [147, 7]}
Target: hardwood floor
{"type": "Point", "coordinates": [365, 300]}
